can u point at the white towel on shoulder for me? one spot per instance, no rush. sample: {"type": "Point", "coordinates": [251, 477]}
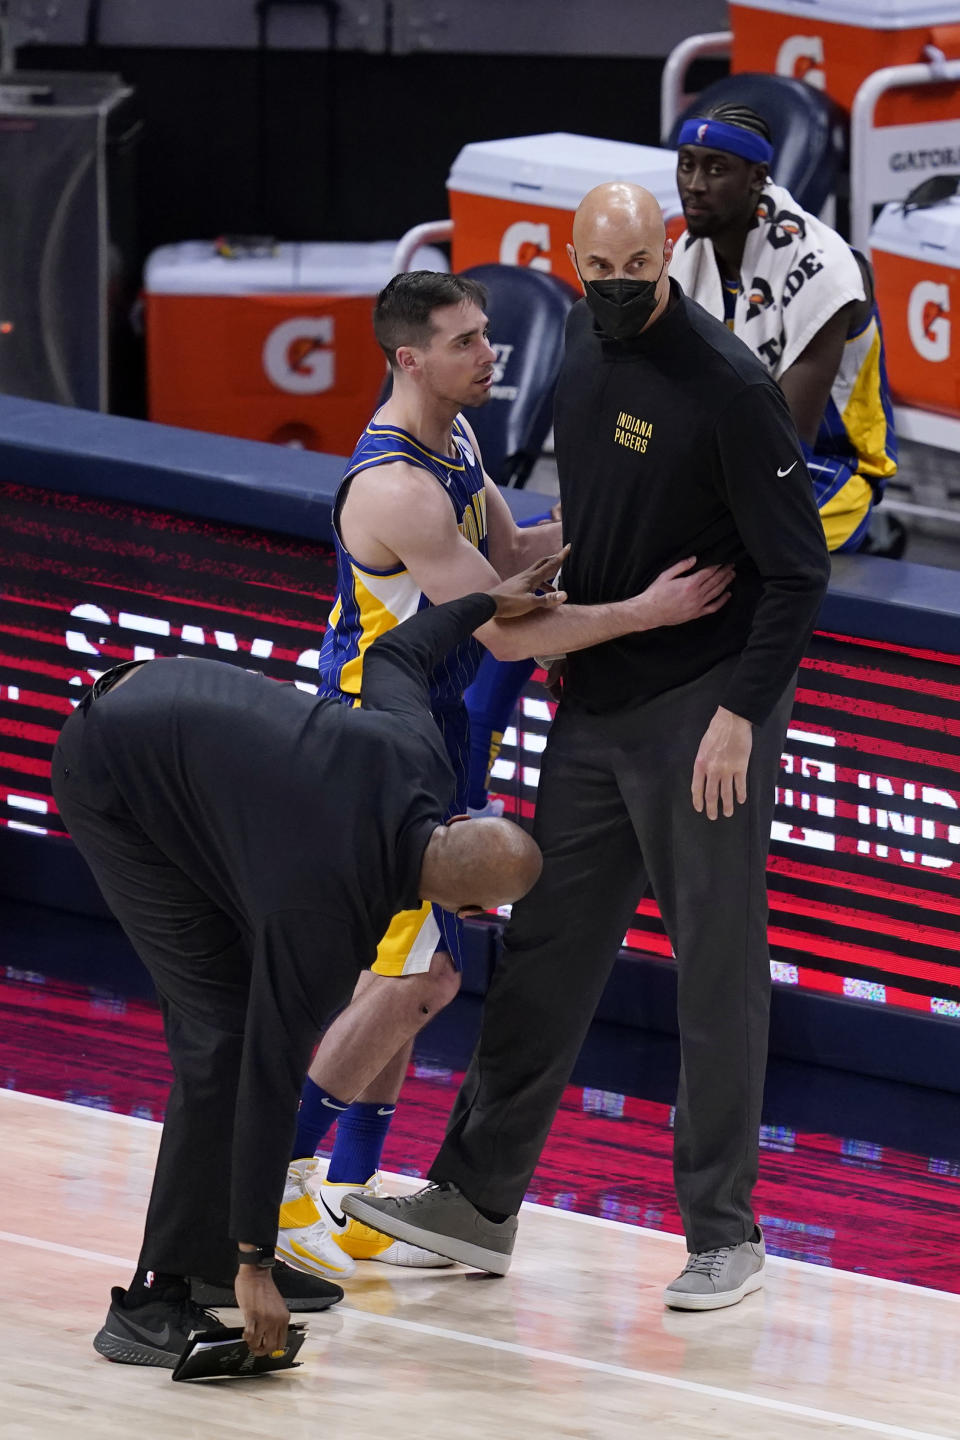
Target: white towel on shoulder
{"type": "Point", "coordinates": [796, 272]}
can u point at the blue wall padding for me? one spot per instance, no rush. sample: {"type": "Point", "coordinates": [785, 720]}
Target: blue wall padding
{"type": "Point", "coordinates": [241, 482]}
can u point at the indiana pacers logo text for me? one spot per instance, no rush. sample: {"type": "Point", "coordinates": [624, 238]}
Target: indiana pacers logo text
{"type": "Point", "coordinates": [631, 432]}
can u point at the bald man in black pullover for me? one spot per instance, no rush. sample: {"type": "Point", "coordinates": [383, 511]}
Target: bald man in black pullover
{"type": "Point", "coordinates": [254, 842]}
{"type": "Point", "coordinates": [660, 769]}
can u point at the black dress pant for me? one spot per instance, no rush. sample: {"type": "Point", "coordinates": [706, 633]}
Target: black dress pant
{"type": "Point", "coordinates": [614, 816]}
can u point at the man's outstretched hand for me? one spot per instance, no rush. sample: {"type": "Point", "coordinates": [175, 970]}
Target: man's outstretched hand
{"type": "Point", "coordinates": [531, 589]}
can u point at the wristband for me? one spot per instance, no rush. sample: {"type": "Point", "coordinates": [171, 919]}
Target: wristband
{"type": "Point", "coordinates": [263, 1257]}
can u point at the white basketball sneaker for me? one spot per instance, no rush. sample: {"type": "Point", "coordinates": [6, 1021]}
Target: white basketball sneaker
{"type": "Point", "coordinates": [358, 1240]}
{"type": "Point", "coordinates": [304, 1239]}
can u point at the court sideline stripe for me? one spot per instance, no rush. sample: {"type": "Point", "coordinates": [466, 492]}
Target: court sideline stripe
{"type": "Point", "coordinates": [775, 1262]}
{"type": "Point", "coordinates": [646, 1377]}
{"type": "Point", "coordinates": [555, 1357]}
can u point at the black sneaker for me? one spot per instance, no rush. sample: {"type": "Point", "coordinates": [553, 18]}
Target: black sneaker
{"type": "Point", "coordinates": [152, 1334]}
{"type": "Point", "coordinates": [301, 1292]}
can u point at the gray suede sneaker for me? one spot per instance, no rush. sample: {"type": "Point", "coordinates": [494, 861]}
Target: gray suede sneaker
{"type": "Point", "coordinates": [441, 1219]}
{"type": "Point", "coordinates": [715, 1278]}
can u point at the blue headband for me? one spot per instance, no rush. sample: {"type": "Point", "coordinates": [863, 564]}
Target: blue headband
{"type": "Point", "coordinates": [716, 135]}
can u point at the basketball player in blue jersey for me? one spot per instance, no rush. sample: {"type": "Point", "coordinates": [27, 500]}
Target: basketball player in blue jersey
{"type": "Point", "coordinates": [417, 522]}
{"type": "Point", "coordinates": [795, 293]}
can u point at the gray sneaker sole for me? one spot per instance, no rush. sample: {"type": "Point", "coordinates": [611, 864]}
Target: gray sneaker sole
{"type": "Point", "coordinates": [677, 1300]}
{"type": "Point", "coordinates": [477, 1256]}
{"type": "Point", "coordinates": [130, 1352]}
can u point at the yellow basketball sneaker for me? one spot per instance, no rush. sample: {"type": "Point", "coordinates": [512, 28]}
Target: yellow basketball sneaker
{"type": "Point", "coordinates": [359, 1240]}
{"type": "Point", "coordinates": [304, 1238]}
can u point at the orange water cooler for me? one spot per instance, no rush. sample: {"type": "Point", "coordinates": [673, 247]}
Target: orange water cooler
{"type": "Point", "coordinates": [272, 345]}
{"type": "Point", "coordinates": [916, 257]}
{"type": "Point", "coordinates": [835, 44]}
{"type": "Point", "coordinates": [512, 201]}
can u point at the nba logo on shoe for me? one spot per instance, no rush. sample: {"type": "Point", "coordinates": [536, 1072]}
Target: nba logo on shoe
{"type": "Point", "coordinates": [148, 1282]}
{"type": "Point", "coordinates": [701, 131]}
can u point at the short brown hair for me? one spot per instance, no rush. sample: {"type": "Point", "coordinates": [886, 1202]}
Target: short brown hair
{"type": "Point", "coordinates": [404, 309]}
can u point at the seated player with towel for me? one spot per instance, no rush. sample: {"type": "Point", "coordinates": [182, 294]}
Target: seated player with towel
{"type": "Point", "coordinates": [802, 301]}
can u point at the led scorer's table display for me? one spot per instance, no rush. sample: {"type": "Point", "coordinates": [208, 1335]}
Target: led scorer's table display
{"type": "Point", "coordinates": [865, 864]}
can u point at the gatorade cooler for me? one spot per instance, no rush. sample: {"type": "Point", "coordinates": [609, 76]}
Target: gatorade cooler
{"type": "Point", "coordinates": [835, 44]}
{"type": "Point", "coordinates": [512, 201]}
{"type": "Point", "coordinates": [916, 256]}
{"type": "Point", "coordinates": [271, 342]}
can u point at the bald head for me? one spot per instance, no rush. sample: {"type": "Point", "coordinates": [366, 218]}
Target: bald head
{"type": "Point", "coordinates": [619, 234]}
{"type": "Point", "coordinates": [618, 213]}
{"type": "Point", "coordinates": [479, 864]}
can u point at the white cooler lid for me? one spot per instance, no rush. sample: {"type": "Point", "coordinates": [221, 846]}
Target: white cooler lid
{"type": "Point", "coordinates": [558, 170]}
{"type": "Point", "coordinates": [869, 14]}
{"type": "Point", "coordinates": [931, 234]}
{"type": "Point", "coordinates": [193, 267]}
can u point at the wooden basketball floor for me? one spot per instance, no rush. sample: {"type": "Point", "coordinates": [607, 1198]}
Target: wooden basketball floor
{"type": "Point", "coordinates": [575, 1341]}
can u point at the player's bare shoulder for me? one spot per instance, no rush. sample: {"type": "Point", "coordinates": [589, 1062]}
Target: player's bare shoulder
{"type": "Point", "coordinates": [390, 508]}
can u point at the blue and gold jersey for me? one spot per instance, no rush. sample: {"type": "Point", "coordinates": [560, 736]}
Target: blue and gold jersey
{"type": "Point", "coordinates": [370, 602]}
{"type": "Point", "coordinates": [731, 293]}
{"type": "Point", "coordinates": [857, 424]}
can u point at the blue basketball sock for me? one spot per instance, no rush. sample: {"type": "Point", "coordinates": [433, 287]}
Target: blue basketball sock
{"type": "Point", "coordinates": [361, 1136]}
{"type": "Point", "coordinates": [318, 1111]}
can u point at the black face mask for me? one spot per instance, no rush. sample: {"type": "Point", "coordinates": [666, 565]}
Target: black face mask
{"type": "Point", "coordinates": [622, 307]}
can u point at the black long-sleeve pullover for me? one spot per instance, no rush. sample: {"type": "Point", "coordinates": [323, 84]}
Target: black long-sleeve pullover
{"type": "Point", "coordinates": [673, 444]}
{"type": "Point", "coordinates": [303, 820]}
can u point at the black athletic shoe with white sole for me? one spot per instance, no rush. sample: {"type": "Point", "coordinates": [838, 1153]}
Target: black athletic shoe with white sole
{"type": "Point", "coordinates": [302, 1292]}
{"type": "Point", "coordinates": [151, 1334]}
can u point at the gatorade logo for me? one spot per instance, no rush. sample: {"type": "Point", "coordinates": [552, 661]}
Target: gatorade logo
{"type": "Point", "coordinates": [526, 243]}
{"type": "Point", "coordinates": [927, 320]}
{"type": "Point", "coordinates": [801, 57]}
{"type": "Point", "coordinates": [759, 297]}
{"type": "Point", "coordinates": [297, 357]}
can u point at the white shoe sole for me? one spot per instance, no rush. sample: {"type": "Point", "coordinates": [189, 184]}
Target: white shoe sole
{"type": "Point", "coordinates": [677, 1300]}
{"type": "Point", "coordinates": [303, 1259]}
{"type": "Point", "coordinates": [476, 1256]}
{"type": "Point", "coordinates": [413, 1257]}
